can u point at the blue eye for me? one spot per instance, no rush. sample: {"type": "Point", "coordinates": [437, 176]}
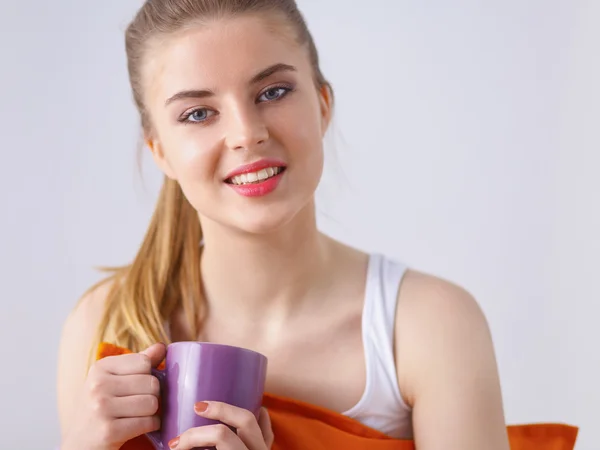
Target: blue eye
{"type": "Point", "coordinates": [197, 115]}
{"type": "Point", "coordinates": [274, 93]}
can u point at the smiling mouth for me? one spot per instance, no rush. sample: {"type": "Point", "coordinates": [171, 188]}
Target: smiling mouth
{"type": "Point", "coordinates": [255, 177]}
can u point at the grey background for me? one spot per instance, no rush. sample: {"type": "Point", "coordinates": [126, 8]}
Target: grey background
{"type": "Point", "coordinates": [465, 144]}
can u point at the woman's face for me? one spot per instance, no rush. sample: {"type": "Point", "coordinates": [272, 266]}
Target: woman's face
{"type": "Point", "coordinates": [238, 121]}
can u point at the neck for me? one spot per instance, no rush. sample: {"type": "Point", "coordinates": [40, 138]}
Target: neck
{"type": "Point", "coordinates": [264, 277]}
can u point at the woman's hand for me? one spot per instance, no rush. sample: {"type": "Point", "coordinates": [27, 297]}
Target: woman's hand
{"type": "Point", "coordinates": [119, 402]}
{"type": "Point", "coordinates": [251, 434]}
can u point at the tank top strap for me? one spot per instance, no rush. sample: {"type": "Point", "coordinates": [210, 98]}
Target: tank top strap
{"type": "Point", "coordinates": [382, 406]}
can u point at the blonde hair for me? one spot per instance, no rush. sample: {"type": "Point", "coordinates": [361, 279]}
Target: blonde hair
{"type": "Point", "coordinates": [165, 273]}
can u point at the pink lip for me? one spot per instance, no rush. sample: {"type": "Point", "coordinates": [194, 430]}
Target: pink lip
{"type": "Point", "coordinates": [258, 189]}
{"type": "Point", "coordinates": [255, 167]}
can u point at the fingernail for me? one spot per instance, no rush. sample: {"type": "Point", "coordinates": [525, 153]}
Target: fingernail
{"type": "Point", "coordinates": [200, 407]}
{"type": "Point", "coordinates": [173, 442]}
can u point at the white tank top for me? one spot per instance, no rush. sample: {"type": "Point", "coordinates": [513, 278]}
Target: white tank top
{"type": "Point", "coordinates": [381, 406]}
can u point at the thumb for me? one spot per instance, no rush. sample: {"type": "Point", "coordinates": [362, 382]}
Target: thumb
{"type": "Point", "coordinates": [264, 422]}
{"type": "Point", "coordinates": [156, 353]}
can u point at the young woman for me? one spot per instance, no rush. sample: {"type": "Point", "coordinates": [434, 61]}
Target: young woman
{"type": "Point", "coordinates": [234, 108]}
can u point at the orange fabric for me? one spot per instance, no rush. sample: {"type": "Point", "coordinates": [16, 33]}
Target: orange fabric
{"type": "Point", "coordinates": [302, 426]}
{"type": "Point", "coordinates": [542, 437]}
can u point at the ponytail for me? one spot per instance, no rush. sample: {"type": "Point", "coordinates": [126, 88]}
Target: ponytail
{"type": "Point", "coordinates": [164, 276]}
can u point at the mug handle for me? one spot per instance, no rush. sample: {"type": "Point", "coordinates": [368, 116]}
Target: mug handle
{"type": "Point", "coordinates": [155, 436]}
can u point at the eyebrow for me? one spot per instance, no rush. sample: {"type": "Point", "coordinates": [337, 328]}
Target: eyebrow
{"type": "Point", "coordinates": [204, 93]}
{"type": "Point", "coordinates": [189, 94]}
{"type": "Point", "coordinates": [271, 71]}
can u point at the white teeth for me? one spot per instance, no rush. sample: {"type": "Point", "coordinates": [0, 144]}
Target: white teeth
{"type": "Point", "coordinates": [255, 177]}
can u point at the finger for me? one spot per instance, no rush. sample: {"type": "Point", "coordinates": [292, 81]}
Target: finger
{"type": "Point", "coordinates": [126, 385]}
{"type": "Point", "coordinates": [134, 363]}
{"type": "Point", "coordinates": [132, 406]}
{"type": "Point", "coordinates": [241, 419]}
{"type": "Point", "coordinates": [264, 422]}
{"type": "Point", "coordinates": [219, 436]}
{"type": "Point", "coordinates": [122, 430]}
{"type": "Point", "coordinates": [156, 353]}
{"type": "Point", "coordinates": [130, 364]}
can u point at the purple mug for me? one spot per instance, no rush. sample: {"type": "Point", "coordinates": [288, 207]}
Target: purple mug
{"type": "Point", "coordinates": [198, 371]}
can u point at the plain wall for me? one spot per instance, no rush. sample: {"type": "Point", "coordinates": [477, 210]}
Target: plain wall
{"type": "Point", "coordinates": [465, 144]}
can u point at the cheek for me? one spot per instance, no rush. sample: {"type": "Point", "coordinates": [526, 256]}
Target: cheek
{"type": "Point", "coordinates": [192, 153]}
{"type": "Point", "coordinates": [299, 129]}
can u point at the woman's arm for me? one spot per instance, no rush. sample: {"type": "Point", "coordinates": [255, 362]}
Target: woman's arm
{"type": "Point", "coordinates": [74, 351]}
{"type": "Point", "coordinates": [447, 367]}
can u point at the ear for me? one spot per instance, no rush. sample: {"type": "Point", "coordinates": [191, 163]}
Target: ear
{"type": "Point", "coordinates": [159, 157]}
{"type": "Point", "coordinates": [326, 106]}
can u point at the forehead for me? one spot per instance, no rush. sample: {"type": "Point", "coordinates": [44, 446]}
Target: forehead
{"type": "Point", "coordinates": [221, 53]}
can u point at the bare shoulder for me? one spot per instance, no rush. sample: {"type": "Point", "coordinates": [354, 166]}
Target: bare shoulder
{"type": "Point", "coordinates": [77, 335]}
{"type": "Point", "coordinates": [446, 363]}
{"type": "Point", "coordinates": [430, 289]}
{"type": "Point", "coordinates": [425, 300]}
{"type": "Point", "coordinates": [433, 315]}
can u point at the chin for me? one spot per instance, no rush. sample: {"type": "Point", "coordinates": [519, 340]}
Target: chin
{"type": "Point", "coordinates": [263, 216]}
{"type": "Point", "coordinates": [264, 222]}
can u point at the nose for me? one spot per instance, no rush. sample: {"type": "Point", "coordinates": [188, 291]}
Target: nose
{"type": "Point", "coordinates": [246, 130]}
